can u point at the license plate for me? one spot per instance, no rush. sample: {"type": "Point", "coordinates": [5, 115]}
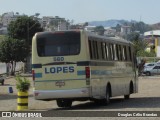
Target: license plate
{"type": "Point", "coordinates": [60, 83]}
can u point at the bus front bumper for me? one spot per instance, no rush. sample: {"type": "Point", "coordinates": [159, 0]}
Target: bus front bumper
{"type": "Point", "coordinates": [57, 94]}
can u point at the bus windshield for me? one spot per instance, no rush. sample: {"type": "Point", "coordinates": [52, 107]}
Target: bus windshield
{"type": "Point", "coordinates": [58, 44]}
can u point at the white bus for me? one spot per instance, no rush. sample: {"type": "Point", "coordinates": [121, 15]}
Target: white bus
{"type": "Point", "coordinates": [78, 65]}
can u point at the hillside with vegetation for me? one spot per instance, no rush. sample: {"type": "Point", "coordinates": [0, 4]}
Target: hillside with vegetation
{"type": "Point", "coordinates": [140, 27]}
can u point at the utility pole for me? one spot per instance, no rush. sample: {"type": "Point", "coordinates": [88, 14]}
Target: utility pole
{"type": "Point", "coordinates": [27, 64]}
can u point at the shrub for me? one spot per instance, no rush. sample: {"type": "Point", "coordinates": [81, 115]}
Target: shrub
{"type": "Point", "coordinates": [22, 85]}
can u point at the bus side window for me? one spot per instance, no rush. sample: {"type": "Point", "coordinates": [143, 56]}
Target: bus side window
{"type": "Point", "coordinates": [94, 46]}
{"type": "Point", "coordinates": [90, 49]}
{"type": "Point", "coordinates": [96, 50]}
{"type": "Point", "coordinates": [111, 51]}
{"type": "Point", "coordinates": [130, 53]}
{"type": "Point", "coordinates": [116, 57]}
{"type": "Point", "coordinates": [107, 51]}
{"type": "Point", "coordinates": [124, 53]}
{"type": "Point", "coordinates": [104, 50]}
{"type": "Point", "coordinates": [117, 52]}
{"type": "Point", "coordinates": [100, 51]}
{"type": "Point", "coordinates": [120, 52]}
{"type": "Point", "coordinates": [93, 50]}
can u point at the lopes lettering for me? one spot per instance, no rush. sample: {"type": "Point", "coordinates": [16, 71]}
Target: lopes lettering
{"type": "Point", "coordinates": [64, 69]}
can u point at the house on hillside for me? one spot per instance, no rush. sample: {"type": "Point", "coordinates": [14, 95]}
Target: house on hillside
{"type": "Point", "coordinates": [153, 38]}
{"type": "Point", "coordinates": [125, 30]}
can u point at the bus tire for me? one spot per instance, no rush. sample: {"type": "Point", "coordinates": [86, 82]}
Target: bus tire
{"type": "Point", "coordinates": [98, 102]}
{"type": "Point", "coordinates": [130, 91]}
{"type": "Point", "coordinates": [126, 97]}
{"type": "Point", "coordinates": [2, 82]}
{"type": "Point", "coordinates": [64, 103]}
{"type": "Point", "coordinates": [107, 99]}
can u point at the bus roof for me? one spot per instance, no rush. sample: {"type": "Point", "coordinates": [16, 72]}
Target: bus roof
{"type": "Point", "coordinates": [90, 34]}
{"type": "Point", "coordinates": [111, 39]}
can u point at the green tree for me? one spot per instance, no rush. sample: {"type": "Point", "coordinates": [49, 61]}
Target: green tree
{"type": "Point", "coordinates": [140, 45]}
{"type": "Point", "coordinates": [86, 24]}
{"type": "Point", "coordinates": [0, 18]}
{"type": "Point", "coordinates": [12, 51]}
{"type": "Point", "coordinates": [37, 14]}
{"type": "Point", "coordinates": [140, 26]}
{"type": "Point", "coordinates": [134, 36]}
{"type": "Point", "coordinates": [24, 28]}
{"type": "Point", "coordinates": [99, 30]}
{"type": "Point", "coordinates": [118, 28]}
{"type": "Point", "coordinates": [2, 37]}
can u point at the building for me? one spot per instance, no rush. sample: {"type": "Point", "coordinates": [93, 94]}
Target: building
{"type": "Point", "coordinates": [7, 18]}
{"type": "Point", "coordinates": [54, 23]}
{"type": "Point", "coordinates": [90, 28]}
{"type": "Point", "coordinates": [5, 21]}
{"type": "Point", "coordinates": [125, 30]}
{"type": "Point", "coordinates": [109, 31]}
{"type": "Point", "coordinates": [3, 31]}
{"type": "Point", "coordinates": [62, 25]}
{"type": "Point", "coordinates": [153, 38]}
{"type": "Point", "coordinates": [45, 20]}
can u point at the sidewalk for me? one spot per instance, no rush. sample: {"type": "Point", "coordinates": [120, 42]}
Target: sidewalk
{"type": "Point", "coordinates": [21, 75]}
{"type": "Point", "coordinates": [26, 74]}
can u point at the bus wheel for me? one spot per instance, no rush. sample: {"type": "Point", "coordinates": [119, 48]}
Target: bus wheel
{"type": "Point", "coordinates": [107, 99]}
{"type": "Point", "coordinates": [126, 97]}
{"type": "Point", "coordinates": [130, 91]}
{"type": "Point", "coordinates": [99, 101]}
{"type": "Point", "coordinates": [64, 103]}
{"type": "Point", "coordinates": [3, 82]}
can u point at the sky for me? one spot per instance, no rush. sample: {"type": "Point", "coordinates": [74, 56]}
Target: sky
{"type": "Point", "coordinates": [81, 11]}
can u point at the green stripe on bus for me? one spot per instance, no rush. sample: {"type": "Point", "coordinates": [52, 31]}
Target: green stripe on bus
{"type": "Point", "coordinates": [57, 80]}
